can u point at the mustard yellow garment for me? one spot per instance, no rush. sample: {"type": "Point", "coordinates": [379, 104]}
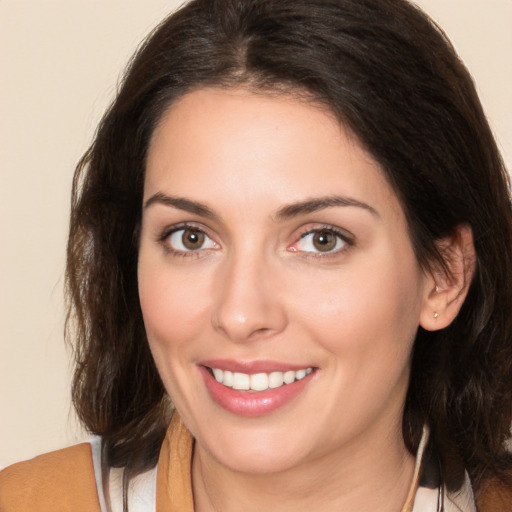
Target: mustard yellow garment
{"type": "Point", "coordinates": [61, 481]}
{"type": "Point", "coordinates": [173, 481]}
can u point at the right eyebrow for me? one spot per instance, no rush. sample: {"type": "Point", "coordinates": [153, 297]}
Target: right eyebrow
{"type": "Point", "coordinates": [181, 204]}
{"type": "Point", "coordinates": [321, 203]}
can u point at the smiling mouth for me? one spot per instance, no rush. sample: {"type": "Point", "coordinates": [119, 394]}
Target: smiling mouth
{"type": "Point", "coordinates": [257, 381]}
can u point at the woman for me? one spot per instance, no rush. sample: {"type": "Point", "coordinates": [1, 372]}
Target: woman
{"type": "Point", "coordinates": [294, 224]}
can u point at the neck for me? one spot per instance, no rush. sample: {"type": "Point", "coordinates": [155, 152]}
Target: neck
{"type": "Point", "coordinates": [365, 476]}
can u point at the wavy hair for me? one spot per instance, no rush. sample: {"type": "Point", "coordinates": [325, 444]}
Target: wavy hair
{"type": "Point", "coordinates": [392, 77]}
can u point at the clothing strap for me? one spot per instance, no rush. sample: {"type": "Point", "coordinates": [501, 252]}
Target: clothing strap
{"type": "Point", "coordinates": [174, 484]}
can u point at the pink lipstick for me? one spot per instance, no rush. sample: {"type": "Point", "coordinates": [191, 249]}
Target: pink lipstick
{"type": "Point", "coordinates": [254, 388]}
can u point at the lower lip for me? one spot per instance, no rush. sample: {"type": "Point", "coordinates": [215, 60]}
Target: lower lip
{"type": "Point", "coordinates": [252, 403]}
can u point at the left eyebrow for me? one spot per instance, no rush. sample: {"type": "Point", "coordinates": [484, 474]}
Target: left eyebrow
{"type": "Point", "coordinates": [181, 203]}
{"type": "Point", "coordinates": [320, 203]}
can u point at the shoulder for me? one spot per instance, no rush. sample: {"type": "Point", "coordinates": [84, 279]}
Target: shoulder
{"type": "Point", "coordinates": [62, 480]}
{"type": "Point", "coordinates": [495, 495]}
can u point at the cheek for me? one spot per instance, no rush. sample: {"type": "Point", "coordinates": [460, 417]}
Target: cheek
{"type": "Point", "coordinates": [172, 303]}
{"type": "Point", "coordinates": [365, 323]}
{"type": "Point", "coordinates": [174, 314]}
{"type": "Point", "coordinates": [368, 312]}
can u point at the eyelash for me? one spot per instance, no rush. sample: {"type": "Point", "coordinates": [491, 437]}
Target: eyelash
{"type": "Point", "coordinates": [168, 232]}
{"type": "Point", "coordinates": [347, 239]}
{"type": "Point", "coordinates": [342, 235]}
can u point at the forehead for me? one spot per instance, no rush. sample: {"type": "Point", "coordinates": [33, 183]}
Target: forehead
{"type": "Point", "coordinates": [248, 147]}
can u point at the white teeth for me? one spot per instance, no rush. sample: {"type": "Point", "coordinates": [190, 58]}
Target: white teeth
{"type": "Point", "coordinates": [300, 374]}
{"type": "Point", "coordinates": [241, 381]}
{"type": "Point", "coordinates": [275, 380]}
{"type": "Point", "coordinates": [227, 379]}
{"type": "Point", "coordinates": [289, 377]}
{"type": "Point", "coordinates": [258, 381]}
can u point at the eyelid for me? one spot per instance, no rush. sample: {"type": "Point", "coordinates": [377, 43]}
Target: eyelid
{"type": "Point", "coordinates": [345, 236]}
{"type": "Point", "coordinates": [168, 231]}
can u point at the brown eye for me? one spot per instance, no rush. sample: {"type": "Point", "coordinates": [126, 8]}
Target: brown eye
{"type": "Point", "coordinates": [189, 239]}
{"type": "Point", "coordinates": [321, 240]}
{"type": "Point", "coordinates": [192, 240]}
{"type": "Point", "coordinates": [324, 240]}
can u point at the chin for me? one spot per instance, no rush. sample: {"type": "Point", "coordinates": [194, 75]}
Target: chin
{"type": "Point", "coordinates": [259, 463]}
{"type": "Point", "coordinates": [255, 452]}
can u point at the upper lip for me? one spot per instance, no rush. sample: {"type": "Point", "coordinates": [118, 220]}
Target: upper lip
{"type": "Point", "coordinates": [251, 367]}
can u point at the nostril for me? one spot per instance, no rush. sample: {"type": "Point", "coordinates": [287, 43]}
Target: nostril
{"type": "Point", "coordinates": [242, 313]}
{"type": "Point", "coordinates": [260, 331]}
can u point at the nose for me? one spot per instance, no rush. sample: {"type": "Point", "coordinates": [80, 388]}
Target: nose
{"type": "Point", "coordinates": [248, 303]}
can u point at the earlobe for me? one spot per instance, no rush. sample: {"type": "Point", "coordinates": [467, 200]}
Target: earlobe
{"type": "Point", "coordinates": [447, 285]}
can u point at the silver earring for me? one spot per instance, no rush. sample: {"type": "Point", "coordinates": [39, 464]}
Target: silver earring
{"type": "Point", "coordinates": [435, 314]}
{"type": "Point", "coordinates": [437, 289]}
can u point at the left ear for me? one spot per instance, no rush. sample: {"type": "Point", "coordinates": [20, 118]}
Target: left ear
{"type": "Point", "coordinates": [447, 286]}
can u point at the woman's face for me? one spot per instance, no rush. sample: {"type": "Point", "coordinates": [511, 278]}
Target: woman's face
{"type": "Point", "coordinates": [275, 256]}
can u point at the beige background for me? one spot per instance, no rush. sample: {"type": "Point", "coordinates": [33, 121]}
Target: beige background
{"type": "Point", "coordinates": [60, 61]}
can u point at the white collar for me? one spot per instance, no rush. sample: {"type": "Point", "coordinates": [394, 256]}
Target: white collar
{"type": "Point", "coordinates": [438, 499]}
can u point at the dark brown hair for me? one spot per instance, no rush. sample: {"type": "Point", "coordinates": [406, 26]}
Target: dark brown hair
{"type": "Point", "coordinates": [392, 77]}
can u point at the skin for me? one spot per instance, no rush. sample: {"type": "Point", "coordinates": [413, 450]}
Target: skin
{"type": "Point", "coordinates": [258, 291]}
